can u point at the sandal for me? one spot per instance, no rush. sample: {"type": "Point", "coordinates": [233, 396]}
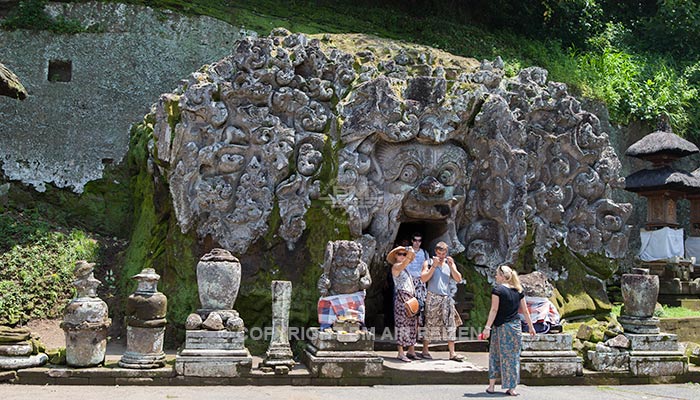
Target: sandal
{"type": "Point", "coordinates": [490, 391]}
{"type": "Point", "coordinates": [457, 357]}
{"type": "Point", "coordinates": [413, 356]}
{"type": "Point", "coordinates": [403, 358]}
{"type": "Point", "coordinates": [427, 356]}
{"type": "Point", "coordinates": [510, 392]}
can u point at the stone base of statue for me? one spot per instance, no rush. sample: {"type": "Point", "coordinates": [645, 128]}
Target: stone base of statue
{"type": "Point", "coordinates": [213, 354]}
{"type": "Point", "coordinates": [549, 355]}
{"type": "Point", "coordinates": [86, 344]}
{"type": "Point", "coordinates": [17, 355]}
{"type": "Point", "coordinates": [331, 354]}
{"type": "Point", "coordinates": [641, 325]}
{"type": "Point", "coordinates": [279, 358]}
{"type": "Point", "coordinates": [144, 348]}
{"type": "Point", "coordinates": [656, 355]}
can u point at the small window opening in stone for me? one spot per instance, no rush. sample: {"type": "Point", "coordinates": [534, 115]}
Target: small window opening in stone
{"type": "Point", "coordinates": [60, 70]}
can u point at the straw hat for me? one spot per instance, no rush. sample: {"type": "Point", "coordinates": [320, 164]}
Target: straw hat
{"type": "Point", "coordinates": [391, 257]}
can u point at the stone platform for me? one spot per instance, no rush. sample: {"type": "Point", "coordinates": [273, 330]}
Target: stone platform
{"type": "Point", "coordinates": [422, 372]}
{"type": "Point", "coordinates": [550, 355]}
{"type": "Point", "coordinates": [213, 354]}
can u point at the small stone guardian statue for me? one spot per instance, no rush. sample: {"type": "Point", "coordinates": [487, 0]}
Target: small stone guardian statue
{"type": "Point", "coordinates": [85, 320]}
{"type": "Point", "coordinates": [342, 284]}
{"type": "Point", "coordinates": [145, 319]}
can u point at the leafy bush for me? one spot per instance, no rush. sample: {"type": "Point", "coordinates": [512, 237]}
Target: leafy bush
{"type": "Point", "coordinates": [36, 266]}
{"type": "Point", "coordinates": [674, 29]}
{"type": "Point", "coordinates": [30, 15]}
{"type": "Point", "coordinates": [637, 87]}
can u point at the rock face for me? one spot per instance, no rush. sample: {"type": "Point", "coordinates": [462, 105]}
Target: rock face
{"type": "Point", "coordinates": [536, 284]}
{"type": "Point", "coordinates": [10, 85]}
{"type": "Point", "coordinates": [88, 88]}
{"type": "Point", "coordinates": [416, 136]}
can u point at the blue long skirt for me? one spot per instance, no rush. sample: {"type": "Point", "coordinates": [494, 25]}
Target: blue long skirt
{"type": "Point", "coordinates": [504, 354]}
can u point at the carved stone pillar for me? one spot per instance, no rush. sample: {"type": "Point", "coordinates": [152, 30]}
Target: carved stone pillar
{"type": "Point", "coordinates": [145, 331]}
{"type": "Point", "coordinates": [279, 354]}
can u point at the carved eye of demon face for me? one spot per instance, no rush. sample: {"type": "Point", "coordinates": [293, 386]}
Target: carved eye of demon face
{"type": "Point", "coordinates": [448, 175]}
{"type": "Point", "coordinates": [409, 174]}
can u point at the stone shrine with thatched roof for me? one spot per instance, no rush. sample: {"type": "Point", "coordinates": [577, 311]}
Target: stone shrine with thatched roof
{"type": "Point", "coordinates": [663, 248]}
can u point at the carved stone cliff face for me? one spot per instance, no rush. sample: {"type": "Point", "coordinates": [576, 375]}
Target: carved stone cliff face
{"type": "Point", "coordinates": [413, 136]}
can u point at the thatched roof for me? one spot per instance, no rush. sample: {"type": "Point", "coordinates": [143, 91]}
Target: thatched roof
{"type": "Point", "coordinates": [661, 144]}
{"type": "Point", "coordinates": [662, 178]}
{"type": "Point", "coordinates": [10, 85]}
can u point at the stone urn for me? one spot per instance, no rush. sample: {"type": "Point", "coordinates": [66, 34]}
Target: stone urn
{"type": "Point", "coordinates": [640, 290]}
{"type": "Point", "coordinates": [145, 318]}
{"type": "Point", "coordinates": [218, 280]}
{"type": "Point", "coordinates": [85, 321]}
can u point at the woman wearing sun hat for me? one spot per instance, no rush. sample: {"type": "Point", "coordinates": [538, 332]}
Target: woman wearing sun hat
{"type": "Point", "coordinates": [405, 325]}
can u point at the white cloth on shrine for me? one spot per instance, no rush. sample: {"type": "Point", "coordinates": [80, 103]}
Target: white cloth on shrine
{"type": "Point", "coordinates": [692, 248]}
{"type": "Point", "coordinates": [661, 244]}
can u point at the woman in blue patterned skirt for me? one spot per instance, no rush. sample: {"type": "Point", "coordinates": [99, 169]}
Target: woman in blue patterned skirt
{"type": "Point", "coordinates": [503, 325]}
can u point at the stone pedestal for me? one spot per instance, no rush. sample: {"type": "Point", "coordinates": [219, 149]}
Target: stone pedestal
{"type": "Point", "coordinates": [279, 354]}
{"type": "Point", "coordinates": [549, 355]}
{"type": "Point", "coordinates": [85, 321]}
{"type": "Point", "coordinates": [146, 309]}
{"type": "Point", "coordinates": [214, 338]}
{"type": "Point", "coordinates": [213, 354]}
{"type": "Point", "coordinates": [656, 355]}
{"type": "Point", "coordinates": [332, 354]}
{"type": "Point", "coordinates": [16, 350]}
{"type": "Point", "coordinates": [641, 325]}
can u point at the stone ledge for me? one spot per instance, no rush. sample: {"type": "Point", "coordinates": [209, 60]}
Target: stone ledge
{"type": "Point", "coordinates": [300, 376]}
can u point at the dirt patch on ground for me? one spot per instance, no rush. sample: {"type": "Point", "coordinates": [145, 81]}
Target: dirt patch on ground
{"type": "Point", "coordinates": [48, 331]}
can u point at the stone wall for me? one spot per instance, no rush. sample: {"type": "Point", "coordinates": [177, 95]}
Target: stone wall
{"type": "Point", "coordinates": [85, 90]}
{"type": "Point", "coordinates": [687, 329]}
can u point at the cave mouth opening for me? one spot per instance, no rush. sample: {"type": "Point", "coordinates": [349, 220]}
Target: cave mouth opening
{"type": "Point", "coordinates": [382, 313]}
{"type": "Point", "coordinates": [431, 232]}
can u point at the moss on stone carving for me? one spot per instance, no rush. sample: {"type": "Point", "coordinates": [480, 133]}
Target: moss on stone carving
{"type": "Point", "coordinates": [479, 285]}
{"type": "Point", "coordinates": [156, 240]}
{"type": "Point", "coordinates": [580, 293]}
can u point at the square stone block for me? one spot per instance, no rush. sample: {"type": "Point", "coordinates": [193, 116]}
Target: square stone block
{"type": "Point", "coordinates": [658, 365]}
{"type": "Point", "coordinates": [544, 367]}
{"type": "Point", "coordinates": [655, 342]}
{"type": "Point", "coordinates": [213, 367]}
{"type": "Point", "coordinates": [335, 341]}
{"type": "Point", "coordinates": [548, 342]}
{"type": "Point", "coordinates": [344, 367]}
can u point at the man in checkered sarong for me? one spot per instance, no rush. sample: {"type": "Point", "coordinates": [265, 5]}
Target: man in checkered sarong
{"type": "Point", "coordinates": [441, 317]}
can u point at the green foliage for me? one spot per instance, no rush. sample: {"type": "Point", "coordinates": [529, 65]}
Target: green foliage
{"type": "Point", "coordinates": [674, 29]}
{"type": "Point", "coordinates": [30, 14]}
{"type": "Point", "coordinates": [37, 262]}
{"type": "Point", "coordinates": [156, 240]}
{"type": "Point", "coordinates": [666, 311]}
{"type": "Point", "coordinates": [639, 88]}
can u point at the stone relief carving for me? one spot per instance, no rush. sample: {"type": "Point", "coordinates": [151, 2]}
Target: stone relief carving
{"type": "Point", "coordinates": [416, 135]}
{"type": "Point", "coordinates": [344, 272]}
{"type": "Point", "coordinates": [243, 121]}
